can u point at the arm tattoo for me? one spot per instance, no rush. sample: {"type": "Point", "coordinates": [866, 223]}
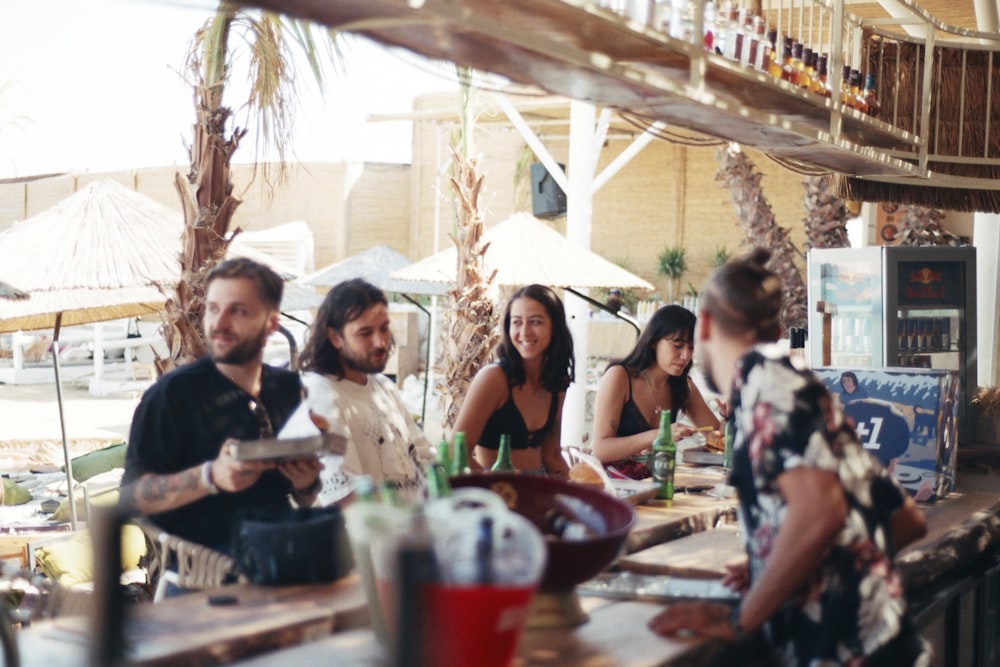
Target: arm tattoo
{"type": "Point", "coordinates": [155, 489]}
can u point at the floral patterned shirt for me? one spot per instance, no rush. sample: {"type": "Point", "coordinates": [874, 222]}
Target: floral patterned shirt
{"type": "Point", "coordinates": [853, 611]}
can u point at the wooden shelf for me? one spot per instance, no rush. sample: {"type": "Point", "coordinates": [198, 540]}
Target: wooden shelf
{"type": "Point", "coordinates": [578, 50]}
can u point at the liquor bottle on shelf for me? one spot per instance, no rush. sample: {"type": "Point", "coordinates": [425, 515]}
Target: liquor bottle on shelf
{"type": "Point", "coordinates": [664, 458]}
{"type": "Point", "coordinates": [757, 58]}
{"type": "Point", "coordinates": [749, 50]}
{"type": "Point", "coordinates": [857, 99]}
{"type": "Point", "coordinates": [771, 62]}
{"type": "Point", "coordinates": [776, 66]}
{"type": "Point", "coordinates": [808, 70]}
{"type": "Point", "coordinates": [790, 69]}
{"type": "Point", "coordinates": [869, 96]}
{"type": "Point", "coordinates": [845, 86]}
{"type": "Point", "coordinates": [734, 34]}
{"type": "Point", "coordinates": [710, 26]}
{"type": "Point", "coordinates": [820, 84]}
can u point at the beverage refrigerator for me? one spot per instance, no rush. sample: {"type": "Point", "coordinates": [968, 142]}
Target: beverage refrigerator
{"type": "Point", "coordinates": [897, 307]}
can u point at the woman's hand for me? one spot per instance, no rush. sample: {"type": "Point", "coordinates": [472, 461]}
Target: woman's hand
{"type": "Point", "coordinates": [681, 431]}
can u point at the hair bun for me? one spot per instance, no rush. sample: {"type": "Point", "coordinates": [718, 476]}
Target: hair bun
{"type": "Point", "coordinates": [759, 256]}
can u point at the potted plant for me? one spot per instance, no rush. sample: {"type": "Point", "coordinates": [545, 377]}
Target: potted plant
{"type": "Point", "coordinates": [672, 264]}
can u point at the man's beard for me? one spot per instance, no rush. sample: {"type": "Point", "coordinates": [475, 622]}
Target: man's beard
{"type": "Point", "coordinates": [362, 364]}
{"type": "Point", "coordinates": [242, 352]}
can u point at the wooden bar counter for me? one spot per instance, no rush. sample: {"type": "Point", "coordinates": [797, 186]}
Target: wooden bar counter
{"type": "Point", "coordinates": [327, 624]}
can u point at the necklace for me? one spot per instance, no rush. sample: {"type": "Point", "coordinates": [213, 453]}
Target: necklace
{"type": "Point", "coordinates": [654, 391]}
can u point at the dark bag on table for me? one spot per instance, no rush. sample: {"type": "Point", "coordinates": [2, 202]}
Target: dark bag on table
{"type": "Point", "coordinates": [292, 546]}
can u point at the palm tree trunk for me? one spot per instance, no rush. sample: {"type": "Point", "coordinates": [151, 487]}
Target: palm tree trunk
{"type": "Point", "coordinates": [760, 228]}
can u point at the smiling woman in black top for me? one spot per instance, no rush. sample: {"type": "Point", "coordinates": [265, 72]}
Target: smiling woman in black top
{"type": "Point", "coordinates": [522, 394]}
{"type": "Point", "coordinates": [634, 390]}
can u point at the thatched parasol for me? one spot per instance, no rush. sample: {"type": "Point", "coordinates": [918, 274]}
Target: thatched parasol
{"type": "Point", "coordinates": [523, 250]}
{"type": "Point", "coordinates": [375, 265]}
{"type": "Point", "coordinates": [98, 255]}
{"type": "Point", "coordinates": [8, 291]}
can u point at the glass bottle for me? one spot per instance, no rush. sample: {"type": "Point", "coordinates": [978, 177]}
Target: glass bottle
{"type": "Point", "coordinates": [869, 96]}
{"type": "Point", "coordinates": [503, 462]}
{"type": "Point", "coordinates": [808, 71]}
{"type": "Point", "coordinates": [757, 58]}
{"type": "Point", "coordinates": [710, 26]}
{"type": "Point", "coordinates": [795, 66]}
{"type": "Point", "coordinates": [749, 35]}
{"type": "Point", "coordinates": [734, 35]}
{"type": "Point", "coordinates": [857, 96]}
{"type": "Point", "coordinates": [437, 475]}
{"type": "Point", "coordinates": [664, 458]}
{"type": "Point", "coordinates": [787, 59]}
{"type": "Point", "coordinates": [775, 61]}
{"type": "Point", "coordinates": [845, 86]}
{"type": "Point", "coordinates": [460, 457]}
{"type": "Point", "coordinates": [820, 84]}
{"type": "Point", "coordinates": [727, 452]}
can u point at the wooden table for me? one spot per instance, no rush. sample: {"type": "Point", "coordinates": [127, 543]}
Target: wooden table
{"type": "Point", "coordinates": [188, 630]}
{"type": "Point", "coordinates": [615, 636]}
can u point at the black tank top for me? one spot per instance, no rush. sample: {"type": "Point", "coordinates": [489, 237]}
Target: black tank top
{"type": "Point", "coordinates": [508, 419]}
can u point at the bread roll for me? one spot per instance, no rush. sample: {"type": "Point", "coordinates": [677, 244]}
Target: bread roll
{"type": "Point", "coordinates": [715, 441]}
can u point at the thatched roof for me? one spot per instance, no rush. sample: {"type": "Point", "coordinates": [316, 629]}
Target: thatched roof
{"type": "Point", "coordinates": [98, 255]}
{"type": "Point", "coordinates": [524, 250]}
{"type": "Point", "coordinates": [376, 266]}
{"type": "Point", "coordinates": [8, 291]}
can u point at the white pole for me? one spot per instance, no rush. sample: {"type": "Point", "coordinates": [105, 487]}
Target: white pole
{"type": "Point", "coordinates": [579, 213]}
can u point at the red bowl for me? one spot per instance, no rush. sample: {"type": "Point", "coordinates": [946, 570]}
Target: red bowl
{"type": "Point", "coordinates": [532, 496]}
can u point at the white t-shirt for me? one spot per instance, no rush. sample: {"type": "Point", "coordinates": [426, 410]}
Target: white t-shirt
{"type": "Point", "coordinates": [383, 440]}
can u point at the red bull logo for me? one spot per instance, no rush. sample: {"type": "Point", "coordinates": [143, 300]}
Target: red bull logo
{"type": "Point", "coordinates": [925, 276]}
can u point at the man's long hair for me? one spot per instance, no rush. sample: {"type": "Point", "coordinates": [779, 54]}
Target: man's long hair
{"type": "Point", "coordinates": [343, 303]}
{"type": "Point", "coordinates": [558, 365]}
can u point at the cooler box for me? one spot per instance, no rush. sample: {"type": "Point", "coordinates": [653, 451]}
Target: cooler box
{"type": "Point", "coordinates": [907, 418]}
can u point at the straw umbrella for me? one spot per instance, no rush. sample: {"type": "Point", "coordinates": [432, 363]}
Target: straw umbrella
{"type": "Point", "coordinates": [10, 292]}
{"type": "Point", "coordinates": [98, 255]}
{"type": "Point", "coordinates": [523, 250]}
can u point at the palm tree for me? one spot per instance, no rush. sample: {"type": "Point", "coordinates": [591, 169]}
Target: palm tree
{"type": "Point", "coordinates": [755, 216]}
{"type": "Point", "coordinates": [672, 264]}
{"type": "Point", "coordinates": [207, 191]}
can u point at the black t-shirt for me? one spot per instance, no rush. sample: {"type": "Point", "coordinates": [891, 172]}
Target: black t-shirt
{"type": "Point", "coordinates": [182, 421]}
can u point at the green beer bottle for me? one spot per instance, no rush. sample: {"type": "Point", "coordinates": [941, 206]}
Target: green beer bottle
{"type": "Point", "coordinates": [664, 458]}
{"type": "Point", "coordinates": [437, 476]}
{"type": "Point", "coordinates": [460, 457]}
{"type": "Point", "coordinates": [727, 453]}
{"type": "Point", "coordinates": [503, 462]}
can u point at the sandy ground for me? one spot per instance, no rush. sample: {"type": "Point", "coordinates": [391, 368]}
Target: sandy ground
{"type": "Point", "coordinates": [31, 439]}
{"type": "Point", "coordinates": [30, 435]}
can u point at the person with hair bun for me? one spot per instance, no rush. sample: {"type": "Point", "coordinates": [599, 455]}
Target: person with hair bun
{"type": "Point", "coordinates": [522, 394]}
{"type": "Point", "coordinates": [821, 518]}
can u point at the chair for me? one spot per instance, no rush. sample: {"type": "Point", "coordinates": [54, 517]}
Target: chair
{"type": "Point", "coordinates": [197, 567]}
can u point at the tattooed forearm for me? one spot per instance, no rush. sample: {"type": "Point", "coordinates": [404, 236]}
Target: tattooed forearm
{"type": "Point", "coordinates": [158, 493]}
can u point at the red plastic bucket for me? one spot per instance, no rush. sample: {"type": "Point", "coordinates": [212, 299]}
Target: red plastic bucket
{"type": "Point", "coordinates": [474, 625]}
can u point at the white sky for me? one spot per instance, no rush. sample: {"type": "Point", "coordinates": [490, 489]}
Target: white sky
{"type": "Point", "coordinates": [94, 85]}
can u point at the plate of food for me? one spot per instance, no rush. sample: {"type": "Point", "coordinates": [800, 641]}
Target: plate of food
{"type": "Point", "coordinates": [284, 449]}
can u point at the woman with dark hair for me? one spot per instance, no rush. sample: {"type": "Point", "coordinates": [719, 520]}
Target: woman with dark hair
{"type": "Point", "coordinates": [522, 394]}
{"type": "Point", "coordinates": [653, 377]}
